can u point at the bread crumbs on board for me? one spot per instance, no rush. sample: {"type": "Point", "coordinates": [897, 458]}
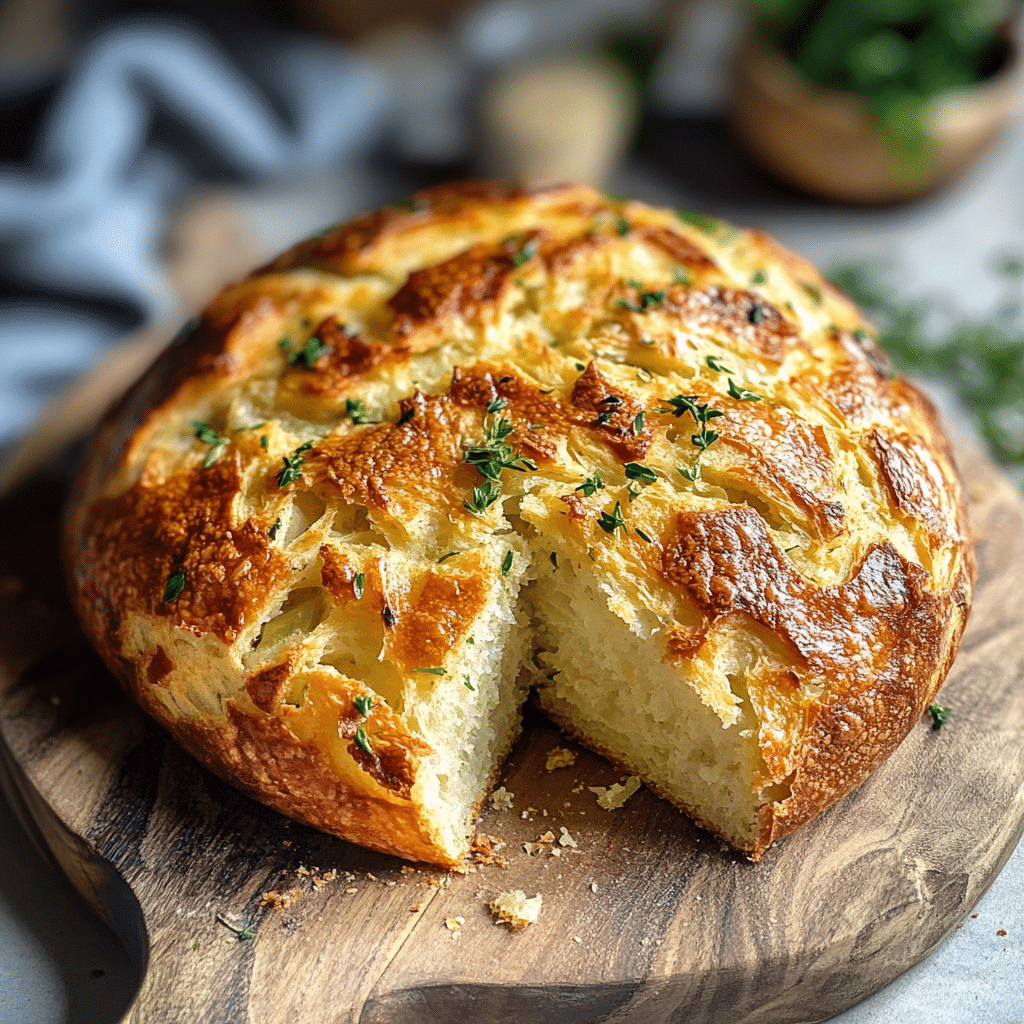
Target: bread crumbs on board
{"type": "Point", "coordinates": [501, 799]}
{"type": "Point", "coordinates": [613, 797]}
{"type": "Point", "coordinates": [483, 850]}
{"type": "Point", "coordinates": [515, 909]}
{"type": "Point", "coordinates": [560, 757]}
{"type": "Point", "coordinates": [280, 900]}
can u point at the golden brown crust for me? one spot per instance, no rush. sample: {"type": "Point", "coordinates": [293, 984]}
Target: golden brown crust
{"type": "Point", "coordinates": [299, 459]}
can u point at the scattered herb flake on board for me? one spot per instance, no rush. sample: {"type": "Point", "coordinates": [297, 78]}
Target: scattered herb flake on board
{"type": "Point", "coordinates": [610, 522]}
{"type": "Point", "coordinates": [309, 353]}
{"type": "Point", "coordinates": [506, 563]}
{"type": "Point", "coordinates": [362, 739]}
{"type": "Point", "coordinates": [364, 704]}
{"type": "Point", "coordinates": [939, 715]}
{"type": "Point", "coordinates": [175, 585]}
{"type": "Point", "coordinates": [742, 394]}
{"type": "Point", "coordinates": [242, 934]}
{"type": "Point", "coordinates": [358, 585]}
{"type": "Point", "coordinates": [272, 532]}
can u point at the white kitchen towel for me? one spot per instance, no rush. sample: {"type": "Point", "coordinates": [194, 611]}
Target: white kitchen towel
{"type": "Point", "coordinates": [80, 226]}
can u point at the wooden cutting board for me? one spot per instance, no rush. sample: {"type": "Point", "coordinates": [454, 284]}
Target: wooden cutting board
{"type": "Point", "coordinates": [645, 917]}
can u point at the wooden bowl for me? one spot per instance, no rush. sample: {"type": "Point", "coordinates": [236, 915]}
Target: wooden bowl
{"type": "Point", "coordinates": [827, 143]}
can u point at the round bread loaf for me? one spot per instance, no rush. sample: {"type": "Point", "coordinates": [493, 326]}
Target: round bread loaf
{"type": "Point", "coordinates": [492, 439]}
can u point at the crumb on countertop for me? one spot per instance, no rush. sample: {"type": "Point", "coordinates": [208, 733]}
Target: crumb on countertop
{"type": "Point", "coordinates": [560, 757]}
{"type": "Point", "coordinates": [501, 799]}
{"type": "Point", "coordinates": [614, 796]}
{"type": "Point", "coordinates": [515, 909]}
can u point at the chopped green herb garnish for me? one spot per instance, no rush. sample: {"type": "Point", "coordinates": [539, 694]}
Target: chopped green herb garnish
{"type": "Point", "coordinates": [701, 221]}
{"type": "Point", "coordinates": [272, 532]}
{"type": "Point", "coordinates": [693, 473]}
{"type": "Point", "coordinates": [553, 558]}
{"type": "Point", "coordinates": [309, 353]}
{"type": "Point", "coordinates": [622, 225]}
{"type": "Point", "coordinates": [681, 276]}
{"type": "Point", "coordinates": [742, 394]}
{"type": "Point", "coordinates": [646, 301]}
{"type": "Point", "coordinates": [470, 640]}
{"type": "Point", "coordinates": [285, 343]}
{"type": "Point", "coordinates": [263, 441]}
{"type": "Point", "coordinates": [644, 375]}
{"type": "Point", "coordinates": [175, 585]}
{"type": "Point", "coordinates": [356, 410]}
{"type": "Point", "coordinates": [580, 367]}
{"type": "Point", "coordinates": [715, 363]}
{"type": "Point", "coordinates": [506, 563]}
{"type": "Point", "coordinates": [705, 439]}
{"type": "Point", "coordinates": [812, 290]}
{"type": "Point", "coordinates": [362, 739]}
{"type": "Point", "coordinates": [756, 314]}
{"type": "Point", "coordinates": [406, 416]}
{"type": "Point", "coordinates": [647, 342]}
{"type": "Point", "coordinates": [591, 484]}
{"type": "Point", "coordinates": [638, 424]}
{"type": "Point", "coordinates": [293, 465]}
{"type": "Point", "coordinates": [364, 704]}
{"type": "Point", "coordinates": [758, 277]}
{"type": "Point", "coordinates": [638, 471]}
{"type": "Point", "coordinates": [524, 253]}
{"type": "Point", "coordinates": [939, 715]}
{"type": "Point", "coordinates": [431, 671]}
{"type": "Point", "coordinates": [700, 411]}
{"type": "Point", "coordinates": [242, 933]}
{"type": "Point", "coordinates": [643, 536]}
{"type": "Point", "coordinates": [206, 434]}
{"type": "Point", "coordinates": [358, 585]}
{"type": "Point", "coordinates": [496, 405]}
{"type": "Point", "coordinates": [450, 554]}
{"type": "Point", "coordinates": [610, 522]}
{"type": "Point", "coordinates": [483, 497]}
{"type": "Point", "coordinates": [467, 684]}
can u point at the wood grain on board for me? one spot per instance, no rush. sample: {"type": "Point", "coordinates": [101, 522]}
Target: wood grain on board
{"type": "Point", "coordinates": [645, 919]}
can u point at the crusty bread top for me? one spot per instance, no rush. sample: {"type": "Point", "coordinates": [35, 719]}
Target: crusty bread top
{"type": "Point", "coordinates": [365, 363]}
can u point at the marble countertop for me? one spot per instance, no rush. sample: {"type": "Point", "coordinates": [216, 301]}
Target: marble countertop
{"type": "Point", "coordinates": [58, 964]}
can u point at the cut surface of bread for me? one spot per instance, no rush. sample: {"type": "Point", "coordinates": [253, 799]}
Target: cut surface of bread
{"type": "Point", "coordinates": [495, 439]}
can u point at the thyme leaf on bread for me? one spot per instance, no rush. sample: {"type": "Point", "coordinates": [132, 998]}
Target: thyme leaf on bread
{"type": "Point", "coordinates": [590, 485]}
{"type": "Point", "coordinates": [293, 465]}
{"type": "Point", "coordinates": [206, 434]}
{"type": "Point", "coordinates": [490, 459]}
{"type": "Point", "coordinates": [175, 585]}
{"type": "Point", "coordinates": [309, 353]}
{"type": "Point", "coordinates": [610, 522]}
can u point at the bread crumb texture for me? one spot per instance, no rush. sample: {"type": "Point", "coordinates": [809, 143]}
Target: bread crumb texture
{"type": "Point", "coordinates": [515, 909]}
{"type": "Point", "coordinates": [494, 439]}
